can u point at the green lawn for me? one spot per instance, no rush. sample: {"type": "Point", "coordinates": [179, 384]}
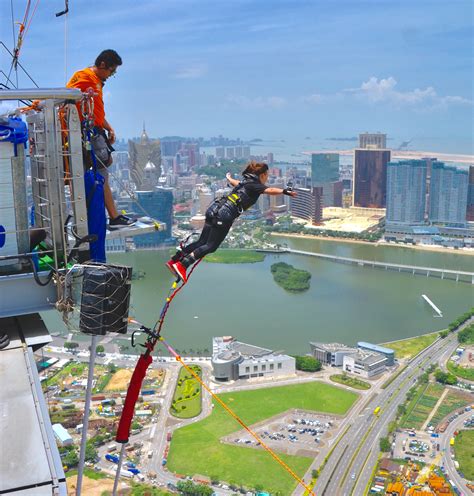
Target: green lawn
{"type": "Point", "coordinates": [196, 449]}
{"type": "Point", "coordinates": [408, 348]}
{"type": "Point", "coordinates": [464, 452]}
{"type": "Point", "coordinates": [187, 395]}
{"type": "Point", "coordinates": [350, 381]}
{"type": "Point", "coordinates": [229, 256]}
{"type": "Point", "coordinates": [419, 410]}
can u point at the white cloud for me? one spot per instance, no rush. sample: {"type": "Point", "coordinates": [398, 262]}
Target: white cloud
{"type": "Point", "coordinates": [315, 98]}
{"type": "Point", "coordinates": [385, 90]}
{"type": "Point", "coordinates": [193, 71]}
{"type": "Point", "coordinates": [257, 102]}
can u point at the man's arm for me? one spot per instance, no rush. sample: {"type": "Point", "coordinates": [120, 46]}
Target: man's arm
{"type": "Point", "coordinates": [110, 132]}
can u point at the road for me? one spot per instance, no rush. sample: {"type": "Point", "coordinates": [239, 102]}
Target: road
{"type": "Point", "coordinates": [448, 462]}
{"type": "Point", "coordinates": [349, 469]}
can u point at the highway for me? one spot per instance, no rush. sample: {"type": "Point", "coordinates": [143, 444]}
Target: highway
{"type": "Point", "coordinates": [349, 469]}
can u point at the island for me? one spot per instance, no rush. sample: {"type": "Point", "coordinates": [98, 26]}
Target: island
{"type": "Point", "coordinates": [289, 278]}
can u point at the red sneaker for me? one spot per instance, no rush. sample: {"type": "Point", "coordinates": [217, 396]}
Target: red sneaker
{"type": "Point", "coordinates": [179, 270]}
{"type": "Point", "coordinates": [169, 264]}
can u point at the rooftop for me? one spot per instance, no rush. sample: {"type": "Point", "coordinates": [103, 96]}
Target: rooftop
{"type": "Point", "coordinates": [375, 347]}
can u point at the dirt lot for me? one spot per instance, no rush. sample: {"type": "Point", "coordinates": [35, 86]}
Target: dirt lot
{"type": "Point", "coordinates": [93, 487]}
{"type": "Point", "coordinates": [121, 379]}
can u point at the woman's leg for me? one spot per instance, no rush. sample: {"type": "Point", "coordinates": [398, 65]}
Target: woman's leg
{"type": "Point", "coordinates": [186, 250]}
{"type": "Point", "coordinates": [217, 234]}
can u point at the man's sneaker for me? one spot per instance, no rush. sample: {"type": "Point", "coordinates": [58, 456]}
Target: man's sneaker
{"type": "Point", "coordinates": [121, 221]}
{"type": "Point", "coordinates": [177, 269]}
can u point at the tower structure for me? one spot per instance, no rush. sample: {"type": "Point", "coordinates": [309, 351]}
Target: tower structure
{"type": "Point", "coordinates": [141, 153]}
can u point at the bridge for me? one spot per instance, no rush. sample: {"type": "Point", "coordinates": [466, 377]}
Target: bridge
{"type": "Point", "coordinates": [457, 275]}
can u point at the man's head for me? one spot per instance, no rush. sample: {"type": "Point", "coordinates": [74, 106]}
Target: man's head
{"type": "Point", "coordinates": [106, 63]}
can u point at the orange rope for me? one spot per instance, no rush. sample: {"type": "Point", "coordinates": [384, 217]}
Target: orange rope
{"type": "Point", "coordinates": [238, 419]}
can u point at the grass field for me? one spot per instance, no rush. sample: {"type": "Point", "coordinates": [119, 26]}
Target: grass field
{"type": "Point", "coordinates": [350, 381]}
{"type": "Point", "coordinates": [235, 256]}
{"type": "Point", "coordinates": [421, 405]}
{"type": "Point", "coordinates": [408, 348]}
{"type": "Point", "coordinates": [454, 400]}
{"type": "Point", "coordinates": [196, 449]}
{"type": "Point", "coordinates": [187, 398]}
{"type": "Point", "coordinates": [464, 452]}
{"type": "Point", "coordinates": [462, 372]}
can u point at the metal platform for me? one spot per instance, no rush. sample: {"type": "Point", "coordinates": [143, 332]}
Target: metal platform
{"type": "Point", "coordinates": [29, 459]}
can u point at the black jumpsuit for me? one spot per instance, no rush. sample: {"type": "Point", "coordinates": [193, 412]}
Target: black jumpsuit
{"type": "Point", "coordinates": [221, 214]}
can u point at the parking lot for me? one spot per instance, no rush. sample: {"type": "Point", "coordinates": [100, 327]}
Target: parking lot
{"type": "Point", "coordinates": [293, 433]}
{"type": "Point", "coordinates": [416, 445]}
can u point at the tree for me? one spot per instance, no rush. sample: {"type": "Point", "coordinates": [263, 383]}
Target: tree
{"type": "Point", "coordinates": [445, 377]}
{"type": "Point", "coordinates": [99, 348]}
{"type": "Point", "coordinates": [401, 410]}
{"type": "Point", "coordinates": [112, 368]}
{"type": "Point", "coordinates": [71, 459]}
{"type": "Point", "coordinates": [443, 334]}
{"type": "Point", "coordinates": [91, 452]}
{"type": "Point", "coordinates": [384, 444]}
{"type": "Point", "coordinates": [71, 345]}
{"type": "Point", "coordinates": [307, 364]}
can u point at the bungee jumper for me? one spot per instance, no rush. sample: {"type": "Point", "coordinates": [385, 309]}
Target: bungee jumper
{"type": "Point", "coordinates": [221, 214]}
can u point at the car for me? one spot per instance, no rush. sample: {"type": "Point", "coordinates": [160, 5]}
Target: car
{"type": "Point", "coordinates": [353, 475]}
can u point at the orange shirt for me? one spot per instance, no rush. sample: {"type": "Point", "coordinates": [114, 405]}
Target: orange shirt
{"type": "Point", "coordinates": [84, 80]}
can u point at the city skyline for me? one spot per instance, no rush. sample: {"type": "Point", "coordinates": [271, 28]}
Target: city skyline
{"type": "Point", "coordinates": [244, 69]}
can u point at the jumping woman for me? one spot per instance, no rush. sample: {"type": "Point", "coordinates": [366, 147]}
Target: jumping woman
{"type": "Point", "coordinates": [222, 213]}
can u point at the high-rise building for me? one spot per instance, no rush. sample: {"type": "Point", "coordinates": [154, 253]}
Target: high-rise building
{"type": "Point", "coordinates": [448, 196]}
{"type": "Point", "coordinates": [270, 158]}
{"type": "Point", "coordinates": [170, 147]}
{"type": "Point", "coordinates": [246, 152]}
{"type": "Point", "coordinates": [230, 152]}
{"type": "Point", "coordinates": [140, 154]}
{"type": "Point", "coordinates": [406, 192]}
{"type": "Point", "coordinates": [308, 204]}
{"type": "Point", "coordinates": [324, 168]}
{"type": "Point", "coordinates": [370, 178]}
{"type": "Point", "coordinates": [373, 141]}
{"type": "Point", "coordinates": [325, 175]}
{"type": "Point", "coordinates": [191, 152]}
{"type": "Point", "coordinates": [159, 205]}
{"type": "Point", "coordinates": [470, 196]}
{"type": "Point", "coordinates": [220, 152]}
{"type": "Point", "coordinates": [239, 153]}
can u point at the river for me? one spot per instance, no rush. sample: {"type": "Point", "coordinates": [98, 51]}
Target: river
{"type": "Point", "coordinates": [344, 303]}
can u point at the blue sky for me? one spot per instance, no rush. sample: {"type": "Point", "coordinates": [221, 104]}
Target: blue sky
{"type": "Point", "coordinates": [267, 68]}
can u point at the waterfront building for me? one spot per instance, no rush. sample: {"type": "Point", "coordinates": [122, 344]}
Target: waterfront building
{"type": "Point", "coordinates": [370, 178]}
{"type": "Point", "coordinates": [159, 205]}
{"type": "Point", "coordinates": [308, 204]}
{"type": "Point", "coordinates": [390, 354]}
{"type": "Point", "coordinates": [331, 353]}
{"type": "Point", "coordinates": [141, 153]}
{"type": "Point", "coordinates": [365, 363]}
{"type": "Point", "coordinates": [448, 195]}
{"type": "Point", "coordinates": [470, 196]}
{"type": "Point", "coordinates": [232, 360]}
{"type": "Point", "coordinates": [406, 192]}
{"type": "Point", "coordinates": [372, 141]}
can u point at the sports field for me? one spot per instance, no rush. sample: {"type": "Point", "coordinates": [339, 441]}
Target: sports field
{"type": "Point", "coordinates": [197, 449]}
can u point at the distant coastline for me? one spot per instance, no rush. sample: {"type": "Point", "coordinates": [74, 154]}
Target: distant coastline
{"type": "Point", "coordinates": [439, 249]}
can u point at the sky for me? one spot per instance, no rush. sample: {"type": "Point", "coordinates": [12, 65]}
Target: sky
{"type": "Point", "coordinates": [271, 69]}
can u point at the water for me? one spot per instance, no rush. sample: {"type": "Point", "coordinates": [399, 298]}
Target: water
{"type": "Point", "coordinates": [344, 303]}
